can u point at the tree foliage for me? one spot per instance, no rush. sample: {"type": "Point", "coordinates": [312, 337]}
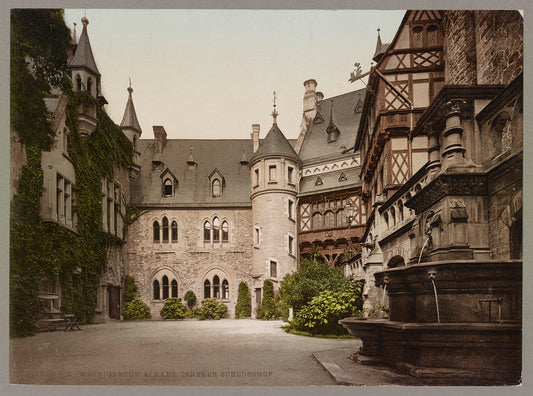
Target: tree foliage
{"type": "Point", "coordinates": [136, 310]}
{"type": "Point", "coordinates": [130, 289]}
{"type": "Point", "coordinates": [211, 308]}
{"type": "Point", "coordinates": [190, 297]}
{"type": "Point", "coordinates": [268, 309]}
{"type": "Point", "coordinates": [243, 309]}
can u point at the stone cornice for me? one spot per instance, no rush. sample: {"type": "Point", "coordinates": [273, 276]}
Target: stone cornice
{"type": "Point", "coordinates": [446, 184]}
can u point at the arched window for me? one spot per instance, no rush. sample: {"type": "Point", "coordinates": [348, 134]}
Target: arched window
{"type": "Point", "coordinates": [216, 188]}
{"type": "Point", "coordinates": [225, 290]}
{"type": "Point", "coordinates": [225, 233]}
{"type": "Point", "coordinates": [165, 287]}
{"type": "Point", "coordinates": [165, 230]}
{"type": "Point", "coordinates": [78, 82]}
{"type": "Point", "coordinates": [432, 35]}
{"type": "Point", "coordinates": [317, 220]}
{"type": "Point", "coordinates": [216, 287]}
{"type": "Point", "coordinates": [418, 39]}
{"type": "Point", "coordinates": [207, 232]}
{"type": "Point", "coordinates": [156, 289]}
{"type": "Point", "coordinates": [386, 218]}
{"type": "Point", "coordinates": [207, 289]}
{"type": "Point", "coordinates": [329, 219]}
{"type": "Point", "coordinates": [216, 230]}
{"type": "Point", "coordinates": [156, 232]}
{"type": "Point", "coordinates": [400, 211]}
{"type": "Point", "coordinates": [174, 288]}
{"type": "Point", "coordinates": [393, 216]}
{"type": "Point", "coordinates": [89, 85]}
{"type": "Point", "coordinates": [167, 188]}
{"type": "Point", "coordinates": [174, 231]}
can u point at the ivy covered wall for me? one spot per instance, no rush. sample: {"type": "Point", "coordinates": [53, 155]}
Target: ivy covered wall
{"type": "Point", "coordinates": [37, 248]}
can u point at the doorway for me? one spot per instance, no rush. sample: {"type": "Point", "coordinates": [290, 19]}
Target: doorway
{"type": "Point", "coordinates": [114, 301]}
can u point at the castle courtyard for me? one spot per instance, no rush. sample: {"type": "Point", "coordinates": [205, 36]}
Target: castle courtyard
{"type": "Point", "coordinates": [222, 353]}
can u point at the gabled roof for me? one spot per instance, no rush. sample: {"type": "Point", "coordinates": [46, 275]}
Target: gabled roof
{"type": "Point", "coordinates": [83, 57]}
{"type": "Point", "coordinates": [275, 143]}
{"type": "Point", "coordinates": [346, 120]}
{"type": "Point", "coordinates": [130, 117]}
{"type": "Point", "coordinates": [194, 188]}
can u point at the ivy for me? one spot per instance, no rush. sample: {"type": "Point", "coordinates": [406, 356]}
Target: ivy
{"type": "Point", "coordinates": [39, 249]}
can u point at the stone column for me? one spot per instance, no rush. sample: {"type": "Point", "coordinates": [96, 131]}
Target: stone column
{"type": "Point", "coordinates": [454, 150]}
{"type": "Point", "coordinates": [433, 150]}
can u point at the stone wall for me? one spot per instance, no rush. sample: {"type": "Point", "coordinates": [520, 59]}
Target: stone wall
{"type": "Point", "coordinates": [500, 51]}
{"type": "Point", "coordinates": [459, 47]}
{"type": "Point", "coordinates": [191, 261]}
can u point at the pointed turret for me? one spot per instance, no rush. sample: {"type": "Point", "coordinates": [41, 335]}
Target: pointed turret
{"type": "Point", "coordinates": [83, 57]}
{"type": "Point", "coordinates": [130, 121]}
{"type": "Point", "coordinates": [380, 49]}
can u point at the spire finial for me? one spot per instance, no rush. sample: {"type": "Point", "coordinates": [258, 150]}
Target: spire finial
{"type": "Point", "coordinates": [130, 89]}
{"type": "Point", "coordinates": [274, 112]}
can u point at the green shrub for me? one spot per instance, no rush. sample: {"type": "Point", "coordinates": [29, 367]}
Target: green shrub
{"type": "Point", "coordinates": [268, 309]}
{"type": "Point", "coordinates": [130, 289]}
{"type": "Point", "coordinates": [313, 277]}
{"type": "Point", "coordinates": [136, 309]}
{"type": "Point", "coordinates": [212, 309]}
{"type": "Point", "coordinates": [173, 309]}
{"type": "Point", "coordinates": [322, 314]}
{"type": "Point", "coordinates": [190, 298]}
{"type": "Point", "coordinates": [243, 309]}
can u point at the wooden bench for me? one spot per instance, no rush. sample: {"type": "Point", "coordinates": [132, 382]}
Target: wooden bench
{"type": "Point", "coordinates": [53, 324]}
{"type": "Point", "coordinates": [71, 322]}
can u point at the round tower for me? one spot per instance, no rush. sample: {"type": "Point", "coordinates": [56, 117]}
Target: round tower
{"type": "Point", "coordinates": [274, 170]}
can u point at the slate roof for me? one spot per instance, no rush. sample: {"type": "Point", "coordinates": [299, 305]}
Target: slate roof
{"type": "Point", "coordinates": [315, 145]}
{"type": "Point", "coordinates": [275, 143]}
{"type": "Point", "coordinates": [130, 117]}
{"type": "Point", "coordinates": [83, 57]}
{"type": "Point", "coordinates": [329, 181]}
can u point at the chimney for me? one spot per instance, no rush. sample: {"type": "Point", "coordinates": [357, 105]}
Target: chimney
{"type": "Point", "coordinates": [255, 136]}
{"type": "Point", "coordinates": [310, 98]}
{"type": "Point", "coordinates": [160, 136]}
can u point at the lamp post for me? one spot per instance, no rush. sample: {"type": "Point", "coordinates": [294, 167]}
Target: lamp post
{"type": "Point", "coordinates": [349, 209]}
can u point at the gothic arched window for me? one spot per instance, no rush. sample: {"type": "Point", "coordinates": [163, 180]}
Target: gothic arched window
{"type": "Point", "coordinates": [167, 188]}
{"type": "Point", "coordinates": [156, 232]}
{"type": "Point", "coordinates": [216, 287]}
{"type": "Point", "coordinates": [174, 288]}
{"type": "Point", "coordinates": [225, 231]}
{"type": "Point", "coordinates": [78, 82]}
{"type": "Point", "coordinates": [165, 287]}
{"type": "Point", "coordinates": [225, 290]}
{"type": "Point", "coordinates": [216, 230]}
{"type": "Point", "coordinates": [207, 289]}
{"type": "Point", "coordinates": [174, 231]}
{"type": "Point", "coordinates": [317, 220]}
{"type": "Point", "coordinates": [207, 232]}
{"type": "Point", "coordinates": [156, 289]}
{"type": "Point", "coordinates": [165, 230]}
{"type": "Point", "coordinates": [329, 219]}
{"type": "Point", "coordinates": [89, 85]}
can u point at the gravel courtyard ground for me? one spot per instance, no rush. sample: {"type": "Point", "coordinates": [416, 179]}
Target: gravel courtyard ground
{"type": "Point", "coordinates": [189, 352]}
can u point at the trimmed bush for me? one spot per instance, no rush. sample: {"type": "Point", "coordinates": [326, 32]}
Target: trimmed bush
{"type": "Point", "coordinates": [173, 309]}
{"type": "Point", "coordinates": [322, 314]}
{"type": "Point", "coordinates": [130, 289]}
{"type": "Point", "coordinates": [212, 309]}
{"type": "Point", "coordinates": [136, 309]}
{"type": "Point", "coordinates": [243, 309]}
{"type": "Point", "coordinates": [268, 309]}
{"type": "Point", "coordinates": [190, 298]}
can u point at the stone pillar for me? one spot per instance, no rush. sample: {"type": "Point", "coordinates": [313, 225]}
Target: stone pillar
{"type": "Point", "coordinates": [433, 150]}
{"type": "Point", "coordinates": [453, 152]}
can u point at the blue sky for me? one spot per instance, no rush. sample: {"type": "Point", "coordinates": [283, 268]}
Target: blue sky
{"type": "Point", "coordinates": [211, 73]}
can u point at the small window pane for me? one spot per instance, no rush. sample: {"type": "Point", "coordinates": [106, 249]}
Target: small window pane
{"type": "Point", "coordinates": [174, 288]}
{"type": "Point", "coordinates": [216, 287]}
{"type": "Point", "coordinates": [165, 230]}
{"type": "Point", "coordinates": [225, 289]}
{"type": "Point", "coordinates": [216, 230]}
{"type": "Point", "coordinates": [167, 189]}
{"type": "Point", "coordinates": [216, 188]}
{"type": "Point", "coordinates": [165, 287]}
{"type": "Point", "coordinates": [156, 289]}
{"type": "Point", "coordinates": [273, 269]}
{"type": "Point", "coordinates": [207, 232]}
{"type": "Point", "coordinates": [225, 233]}
{"type": "Point", "coordinates": [174, 232]}
{"type": "Point", "coordinates": [272, 173]}
{"type": "Point", "coordinates": [207, 289]}
{"type": "Point", "coordinates": [156, 231]}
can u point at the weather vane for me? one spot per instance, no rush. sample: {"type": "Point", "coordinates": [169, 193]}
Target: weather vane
{"type": "Point", "coordinates": [274, 113]}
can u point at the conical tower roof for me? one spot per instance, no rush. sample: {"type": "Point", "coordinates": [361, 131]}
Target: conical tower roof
{"type": "Point", "coordinates": [275, 143]}
{"type": "Point", "coordinates": [130, 117]}
{"type": "Point", "coordinates": [83, 57]}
